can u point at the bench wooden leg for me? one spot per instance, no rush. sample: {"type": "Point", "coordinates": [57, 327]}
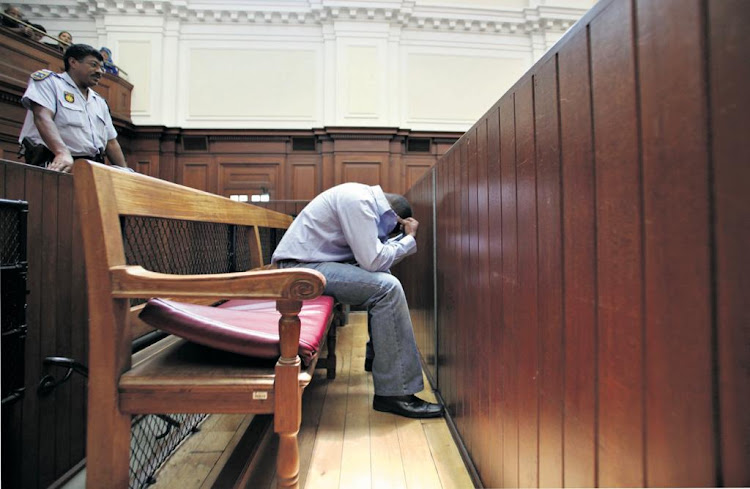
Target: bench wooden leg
{"type": "Point", "coordinates": [107, 450]}
{"type": "Point", "coordinates": [287, 465]}
{"type": "Point", "coordinates": [331, 342]}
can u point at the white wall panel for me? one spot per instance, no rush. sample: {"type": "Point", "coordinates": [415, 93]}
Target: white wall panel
{"type": "Point", "coordinates": [136, 55]}
{"type": "Point", "coordinates": [252, 85]}
{"type": "Point", "coordinates": [415, 64]}
{"type": "Point", "coordinates": [446, 90]}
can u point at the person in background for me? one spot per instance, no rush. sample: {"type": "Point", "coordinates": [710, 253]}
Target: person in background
{"type": "Point", "coordinates": [65, 39]}
{"type": "Point", "coordinates": [66, 118]}
{"type": "Point", "coordinates": [11, 13]}
{"type": "Point", "coordinates": [109, 66]}
{"type": "Point", "coordinates": [38, 32]}
{"type": "Point", "coordinates": [353, 234]}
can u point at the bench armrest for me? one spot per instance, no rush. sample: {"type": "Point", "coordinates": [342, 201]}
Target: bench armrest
{"type": "Point", "coordinates": [133, 281]}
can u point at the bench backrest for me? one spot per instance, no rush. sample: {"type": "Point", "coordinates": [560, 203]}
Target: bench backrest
{"type": "Point", "coordinates": [133, 219]}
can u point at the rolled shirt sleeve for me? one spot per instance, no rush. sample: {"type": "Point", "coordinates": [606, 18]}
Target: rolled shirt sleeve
{"type": "Point", "coordinates": [41, 92]}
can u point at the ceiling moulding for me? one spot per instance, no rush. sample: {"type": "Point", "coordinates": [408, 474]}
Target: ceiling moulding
{"type": "Point", "coordinates": [403, 13]}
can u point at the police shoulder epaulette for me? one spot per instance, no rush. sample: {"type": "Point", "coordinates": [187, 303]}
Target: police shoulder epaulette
{"type": "Point", "coordinates": [41, 74]}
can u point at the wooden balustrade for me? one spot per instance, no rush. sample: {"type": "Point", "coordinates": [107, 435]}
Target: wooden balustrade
{"type": "Point", "coordinates": [592, 317]}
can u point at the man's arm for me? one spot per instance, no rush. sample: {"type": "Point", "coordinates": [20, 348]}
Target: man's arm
{"type": "Point", "coordinates": [43, 120]}
{"type": "Point", "coordinates": [114, 153]}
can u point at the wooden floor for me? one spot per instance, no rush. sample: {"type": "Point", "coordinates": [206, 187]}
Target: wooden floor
{"type": "Point", "coordinates": [343, 442]}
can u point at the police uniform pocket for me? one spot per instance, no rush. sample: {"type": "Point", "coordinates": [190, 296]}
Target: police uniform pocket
{"type": "Point", "coordinates": [69, 114]}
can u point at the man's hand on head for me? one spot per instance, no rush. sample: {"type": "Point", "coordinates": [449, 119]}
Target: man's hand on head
{"type": "Point", "coordinates": [410, 226]}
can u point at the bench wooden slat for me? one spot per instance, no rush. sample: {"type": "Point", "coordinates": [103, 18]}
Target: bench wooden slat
{"type": "Point", "coordinates": [299, 284]}
{"type": "Point", "coordinates": [140, 195]}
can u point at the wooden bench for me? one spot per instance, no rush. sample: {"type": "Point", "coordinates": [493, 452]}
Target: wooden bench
{"type": "Point", "coordinates": [175, 375]}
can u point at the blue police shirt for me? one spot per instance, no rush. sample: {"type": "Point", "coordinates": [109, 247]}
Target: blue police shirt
{"type": "Point", "coordinates": [85, 124]}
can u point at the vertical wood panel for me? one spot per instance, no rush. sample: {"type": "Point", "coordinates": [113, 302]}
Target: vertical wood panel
{"type": "Point", "coordinates": [472, 302]}
{"type": "Point", "coordinates": [528, 361]}
{"type": "Point", "coordinates": [550, 277]}
{"type": "Point", "coordinates": [49, 323]}
{"type": "Point", "coordinates": [63, 317]}
{"type": "Point", "coordinates": [579, 242]}
{"type": "Point", "coordinates": [729, 71]}
{"type": "Point", "coordinates": [79, 344]}
{"type": "Point", "coordinates": [463, 390]}
{"type": "Point", "coordinates": [676, 244]}
{"type": "Point", "coordinates": [454, 237]}
{"type": "Point", "coordinates": [509, 247]}
{"type": "Point", "coordinates": [31, 407]}
{"type": "Point", "coordinates": [195, 176]}
{"type": "Point", "coordinates": [494, 478]}
{"type": "Point", "coordinates": [619, 249]}
{"type": "Point", "coordinates": [484, 347]}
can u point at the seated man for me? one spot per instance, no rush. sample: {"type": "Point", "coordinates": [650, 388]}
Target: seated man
{"type": "Point", "coordinates": [66, 118]}
{"type": "Point", "coordinates": [343, 233]}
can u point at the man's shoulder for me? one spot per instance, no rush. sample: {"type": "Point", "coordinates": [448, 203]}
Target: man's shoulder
{"type": "Point", "coordinates": [40, 75]}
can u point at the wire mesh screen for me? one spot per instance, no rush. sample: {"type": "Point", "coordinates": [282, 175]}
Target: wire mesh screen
{"type": "Point", "coordinates": [154, 437]}
{"type": "Point", "coordinates": [12, 232]}
{"type": "Point", "coordinates": [181, 248]}
{"type": "Point", "coordinates": [13, 271]}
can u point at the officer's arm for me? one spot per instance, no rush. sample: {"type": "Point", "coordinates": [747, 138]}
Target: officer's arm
{"type": "Point", "coordinates": [44, 123]}
{"type": "Point", "coordinates": [114, 153]}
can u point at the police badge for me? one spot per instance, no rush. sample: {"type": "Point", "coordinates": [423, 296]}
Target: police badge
{"type": "Point", "coordinates": [69, 97]}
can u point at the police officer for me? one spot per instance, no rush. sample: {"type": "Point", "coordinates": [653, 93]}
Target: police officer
{"type": "Point", "coordinates": [66, 119]}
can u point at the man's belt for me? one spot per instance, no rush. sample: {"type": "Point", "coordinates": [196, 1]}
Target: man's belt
{"type": "Point", "coordinates": [40, 155]}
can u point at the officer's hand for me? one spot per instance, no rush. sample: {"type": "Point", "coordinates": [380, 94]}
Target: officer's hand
{"type": "Point", "coordinates": [63, 162]}
{"type": "Point", "coordinates": [410, 226]}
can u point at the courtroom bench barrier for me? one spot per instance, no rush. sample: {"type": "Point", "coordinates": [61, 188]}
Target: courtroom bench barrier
{"type": "Point", "coordinates": [245, 338]}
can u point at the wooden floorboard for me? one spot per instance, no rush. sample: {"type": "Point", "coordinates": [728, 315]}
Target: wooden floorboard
{"type": "Point", "coordinates": [344, 443]}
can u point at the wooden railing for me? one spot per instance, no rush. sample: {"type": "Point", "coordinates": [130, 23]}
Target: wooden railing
{"type": "Point", "coordinates": [591, 232]}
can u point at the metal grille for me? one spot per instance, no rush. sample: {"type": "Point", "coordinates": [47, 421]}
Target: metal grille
{"type": "Point", "coordinates": [180, 247]}
{"type": "Point", "coordinates": [13, 271]}
{"type": "Point", "coordinates": [269, 240]}
{"type": "Point", "coordinates": [153, 439]}
{"type": "Point", "coordinates": [13, 232]}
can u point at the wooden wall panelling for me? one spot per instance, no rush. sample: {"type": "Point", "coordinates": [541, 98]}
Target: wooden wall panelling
{"type": "Point", "coordinates": [62, 340]}
{"type": "Point", "coordinates": [304, 181]}
{"type": "Point", "coordinates": [370, 169]}
{"type": "Point", "coordinates": [396, 167]}
{"type": "Point", "coordinates": [579, 268]}
{"type": "Point", "coordinates": [464, 392]}
{"type": "Point", "coordinates": [676, 232]}
{"type": "Point", "coordinates": [328, 165]}
{"type": "Point", "coordinates": [619, 248]}
{"type": "Point", "coordinates": [79, 343]}
{"type": "Point", "coordinates": [509, 249]}
{"type": "Point", "coordinates": [249, 175]}
{"type": "Point", "coordinates": [195, 172]}
{"type": "Point", "coordinates": [550, 262]}
{"type": "Point", "coordinates": [728, 48]}
{"type": "Point", "coordinates": [493, 475]}
{"type": "Point", "coordinates": [528, 361]}
{"type": "Point", "coordinates": [483, 339]}
{"type": "Point", "coordinates": [471, 301]}
{"type": "Point", "coordinates": [50, 298]}
{"type": "Point", "coordinates": [412, 168]}
{"type": "Point", "coordinates": [31, 407]}
{"type": "Point", "coordinates": [50, 432]}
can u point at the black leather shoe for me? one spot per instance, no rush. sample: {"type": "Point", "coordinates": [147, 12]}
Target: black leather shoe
{"type": "Point", "coordinates": [410, 406]}
{"type": "Point", "coordinates": [368, 364]}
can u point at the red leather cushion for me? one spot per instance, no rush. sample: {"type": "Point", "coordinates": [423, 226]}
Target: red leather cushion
{"type": "Point", "coordinates": [247, 327]}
